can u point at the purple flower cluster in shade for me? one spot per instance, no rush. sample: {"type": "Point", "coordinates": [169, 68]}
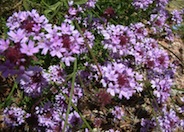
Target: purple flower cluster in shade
{"type": "Point", "coordinates": [118, 112]}
{"type": "Point", "coordinates": [142, 4]}
{"type": "Point", "coordinates": [162, 88]}
{"type": "Point", "coordinates": [177, 16]}
{"type": "Point", "coordinates": [50, 118]}
{"type": "Point", "coordinates": [74, 10]}
{"type": "Point", "coordinates": [14, 116]}
{"type": "Point", "coordinates": [91, 3]}
{"type": "Point", "coordinates": [162, 3]}
{"type": "Point", "coordinates": [159, 19]}
{"type": "Point", "coordinates": [55, 74]}
{"type": "Point", "coordinates": [121, 80]}
{"type": "Point", "coordinates": [34, 84]}
{"type": "Point", "coordinates": [52, 115]}
{"type": "Point", "coordinates": [78, 93]}
{"type": "Point", "coordinates": [147, 125]}
{"type": "Point", "coordinates": [169, 121]}
{"type": "Point", "coordinates": [159, 25]}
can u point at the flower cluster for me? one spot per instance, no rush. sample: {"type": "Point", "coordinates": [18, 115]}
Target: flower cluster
{"type": "Point", "coordinates": [14, 116]}
{"type": "Point", "coordinates": [121, 80]}
{"type": "Point", "coordinates": [118, 39]}
{"type": "Point", "coordinates": [40, 56]}
{"type": "Point", "coordinates": [52, 115]}
{"type": "Point", "coordinates": [169, 121]}
{"type": "Point", "coordinates": [142, 4]}
{"type": "Point", "coordinates": [62, 42]}
{"type": "Point", "coordinates": [118, 112]}
{"type": "Point", "coordinates": [55, 74]}
{"type": "Point", "coordinates": [177, 16]}
{"type": "Point", "coordinates": [34, 84]}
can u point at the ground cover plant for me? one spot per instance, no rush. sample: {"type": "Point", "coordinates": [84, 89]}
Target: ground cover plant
{"type": "Point", "coordinates": [90, 65]}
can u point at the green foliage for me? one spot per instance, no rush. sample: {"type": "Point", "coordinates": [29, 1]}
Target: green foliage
{"type": "Point", "coordinates": [3, 27]}
{"type": "Point", "coordinates": [10, 98]}
{"type": "Point", "coordinates": [80, 2]}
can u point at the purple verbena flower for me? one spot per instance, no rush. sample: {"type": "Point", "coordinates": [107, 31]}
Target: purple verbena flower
{"type": "Point", "coordinates": [162, 91]}
{"type": "Point", "coordinates": [120, 80]}
{"type": "Point", "coordinates": [169, 121]}
{"type": "Point", "coordinates": [55, 74]}
{"type": "Point", "coordinates": [147, 125]}
{"type": "Point", "coordinates": [162, 3]}
{"type": "Point", "coordinates": [14, 116]}
{"type": "Point", "coordinates": [177, 16]}
{"type": "Point", "coordinates": [118, 112]}
{"type": "Point", "coordinates": [139, 30]}
{"type": "Point", "coordinates": [30, 21]}
{"type": "Point", "coordinates": [142, 4]}
{"type": "Point", "coordinates": [157, 21]}
{"type": "Point", "coordinates": [17, 35]}
{"type": "Point", "coordinates": [118, 39]}
{"type": "Point", "coordinates": [29, 49]}
{"type": "Point", "coordinates": [4, 44]}
{"type": "Point", "coordinates": [90, 3]}
{"type": "Point", "coordinates": [36, 83]}
{"type": "Point", "coordinates": [75, 119]}
{"type": "Point", "coordinates": [64, 42]}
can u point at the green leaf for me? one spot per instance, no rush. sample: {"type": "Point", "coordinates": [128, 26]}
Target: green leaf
{"type": "Point", "coordinates": [26, 4]}
{"type": "Point", "coordinates": [53, 7]}
{"type": "Point", "coordinates": [80, 2]}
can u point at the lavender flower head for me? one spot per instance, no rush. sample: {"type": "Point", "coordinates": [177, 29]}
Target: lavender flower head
{"type": "Point", "coordinates": [139, 30]}
{"type": "Point", "coordinates": [157, 21]}
{"type": "Point", "coordinates": [14, 116]}
{"type": "Point", "coordinates": [30, 21]}
{"type": "Point", "coordinates": [90, 3]}
{"type": "Point", "coordinates": [120, 80]}
{"type": "Point", "coordinates": [118, 112]}
{"type": "Point", "coordinates": [162, 3]}
{"type": "Point", "coordinates": [177, 16]}
{"type": "Point", "coordinates": [4, 44]}
{"type": "Point", "coordinates": [55, 74]}
{"type": "Point", "coordinates": [147, 125]}
{"type": "Point", "coordinates": [50, 118]}
{"type": "Point", "coordinates": [162, 88]}
{"type": "Point", "coordinates": [63, 42]}
{"type": "Point", "coordinates": [75, 119]}
{"type": "Point", "coordinates": [29, 49]}
{"type": "Point", "coordinates": [36, 83]}
{"type": "Point", "coordinates": [118, 39]}
{"type": "Point", "coordinates": [169, 121]}
{"type": "Point", "coordinates": [142, 4]}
